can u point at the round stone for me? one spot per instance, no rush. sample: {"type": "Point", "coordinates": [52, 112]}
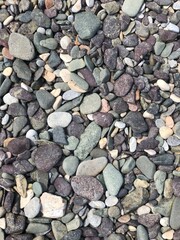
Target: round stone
{"type": "Point", "coordinates": [59, 119]}
{"type": "Point", "coordinates": [91, 104]}
{"type": "Point", "coordinates": [32, 209]}
{"type": "Point", "coordinates": [70, 165]}
{"type": "Point", "coordinates": [47, 156]}
{"type": "Point", "coordinates": [123, 85]}
{"type": "Point", "coordinates": [32, 135]}
{"type": "Point", "coordinates": [165, 132]}
{"type": "Point", "coordinates": [111, 201]}
{"type": "Point", "coordinates": [64, 42]}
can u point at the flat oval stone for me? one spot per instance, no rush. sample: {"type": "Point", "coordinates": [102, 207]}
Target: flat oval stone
{"type": "Point", "coordinates": [123, 85]}
{"type": "Point", "coordinates": [47, 156]}
{"type": "Point", "coordinates": [132, 8]}
{"type": "Point", "coordinates": [113, 179]}
{"type": "Point", "coordinates": [21, 47]}
{"type": "Point", "coordinates": [175, 214]}
{"type": "Point", "coordinates": [87, 187]}
{"type": "Point", "coordinates": [92, 167]}
{"type": "Point", "coordinates": [45, 99]}
{"type": "Point", "coordinates": [70, 94]}
{"type": "Point", "coordinates": [59, 119]}
{"type": "Point", "coordinates": [70, 165]}
{"type": "Point", "coordinates": [80, 82]}
{"type": "Point", "coordinates": [76, 64]}
{"type": "Point", "coordinates": [103, 119]}
{"type": "Point", "coordinates": [91, 103]}
{"type": "Point", "coordinates": [146, 166]}
{"type": "Point", "coordinates": [32, 209]}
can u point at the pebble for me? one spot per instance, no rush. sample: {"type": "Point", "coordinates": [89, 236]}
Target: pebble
{"type": "Point", "coordinates": [168, 235]}
{"type": "Point", "coordinates": [163, 85]}
{"type": "Point", "coordinates": [165, 132]}
{"type": "Point", "coordinates": [111, 201]}
{"type": "Point", "coordinates": [86, 24]}
{"type": "Point", "coordinates": [128, 165]}
{"type": "Point", "coordinates": [78, 82]}
{"type": "Point", "coordinates": [21, 47]}
{"type": "Point", "coordinates": [164, 221]}
{"type": "Point", "coordinates": [113, 179]}
{"type": "Point", "coordinates": [64, 42]}
{"type": "Point", "coordinates": [177, 129]}
{"type": "Point", "coordinates": [77, 6]}
{"type": "Point", "coordinates": [143, 210]}
{"type": "Point", "coordinates": [65, 75]}
{"type": "Point", "coordinates": [123, 85]}
{"type": "Point", "coordinates": [62, 187]}
{"type": "Point", "coordinates": [32, 209]}
{"type": "Point", "coordinates": [59, 119]}
{"type": "Point", "coordinates": [132, 144]}
{"type": "Point", "coordinates": [7, 71]}
{"type": "Point", "coordinates": [87, 107]}
{"type": "Point", "coordinates": [146, 166]}
{"type": "Point", "coordinates": [90, 3]}
{"type": "Point", "coordinates": [47, 156]}
{"type": "Point", "coordinates": [25, 200]}
{"type": "Point", "coordinates": [52, 206]}
{"type": "Point", "coordinates": [132, 9]}
{"type": "Point", "coordinates": [97, 204]}
{"type": "Point", "coordinates": [8, 99]}
{"type": "Point", "coordinates": [159, 179]}
{"type": "Point", "coordinates": [93, 219]}
{"type": "Point", "coordinates": [92, 167]}
{"type": "Point", "coordinates": [175, 214]}
{"type": "Point", "coordinates": [176, 5]}
{"type": "Point", "coordinates": [37, 228]}
{"type": "Point", "coordinates": [70, 165]}
{"type": "Point", "coordinates": [87, 187]}
{"type": "Point", "coordinates": [159, 47]}
{"type": "Point", "coordinates": [45, 99]}
{"type": "Point", "coordinates": [76, 64]}
{"type": "Point", "coordinates": [172, 27]}
{"type": "Point", "coordinates": [135, 199]}
{"type": "Point", "coordinates": [103, 119]}
{"type": "Point", "coordinates": [175, 98]}
{"type": "Point", "coordinates": [49, 43]}
{"type": "Point", "coordinates": [88, 140]}
{"type": "Point", "coordinates": [142, 233]}
{"type": "Point", "coordinates": [111, 27]}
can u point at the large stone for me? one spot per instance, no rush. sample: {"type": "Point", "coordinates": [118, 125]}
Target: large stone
{"type": "Point", "coordinates": [92, 167]}
{"type": "Point", "coordinates": [88, 140]}
{"type": "Point", "coordinates": [52, 206]}
{"type": "Point", "coordinates": [135, 199]}
{"type": "Point", "coordinates": [86, 24]}
{"type": "Point", "coordinates": [87, 187]}
{"type": "Point", "coordinates": [113, 179]}
{"type": "Point", "coordinates": [91, 103]}
{"type": "Point", "coordinates": [146, 166]}
{"type": "Point", "coordinates": [175, 214]}
{"type": "Point", "coordinates": [21, 47]}
{"type": "Point", "coordinates": [132, 8]}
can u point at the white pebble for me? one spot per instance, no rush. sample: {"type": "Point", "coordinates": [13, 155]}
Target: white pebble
{"type": "Point", "coordinates": [41, 30]}
{"type": "Point", "coordinates": [97, 204]}
{"type": "Point", "coordinates": [5, 119]}
{"type": "Point", "coordinates": [8, 99]}
{"type": "Point", "coordinates": [151, 152]}
{"type": "Point", "coordinates": [66, 58]}
{"type": "Point", "coordinates": [77, 6]}
{"type": "Point", "coordinates": [90, 3]}
{"type": "Point", "coordinates": [168, 235]}
{"type": "Point", "coordinates": [163, 85]}
{"type": "Point", "coordinates": [3, 107]}
{"type": "Point", "coordinates": [172, 27]}
{"type": "Point", "coordinates": [172, 63]}
{"type": "Point", "coordinates": [32, 135]}
{"type": "Point", "coordinates": [132, 144]}
{"type": "Point", "coordinates": [111, 201]}
{"type": "Point", "coordinates": [8, 20]}
{"type": "Point", "coordinates": [64, 42]}
{"type": "Point", "coordinates": [120, 124]}
{"type": "Point", "coordinates": [176, 5]}
{"type": "Point", "coordinates": [175, 98]}
{"type": "Point", "coordinates": [128, 62]}
{"type": "Point", "coordinates": [143, 210]}
{"type": "Point", "coordinates": [148, 115]}
{"type": "Point", "coordinates": [165, 146]}
{"type": "Point", "coordinates": [59, 119]}
{"type": "Point", "coordinates": [164, 221]}
{"type": "Point", "coordinates": [93, 219]}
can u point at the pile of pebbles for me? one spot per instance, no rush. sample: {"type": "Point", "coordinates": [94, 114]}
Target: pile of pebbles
{"type": "Point", "coordinates": [89, 120]}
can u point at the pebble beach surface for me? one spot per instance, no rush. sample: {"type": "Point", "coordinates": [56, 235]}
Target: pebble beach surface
{"type": "Point", "coordinates": [89, 120]}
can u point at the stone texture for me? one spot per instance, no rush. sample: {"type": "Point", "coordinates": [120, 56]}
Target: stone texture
{"type": "Point", "coordinates": [123, 85]}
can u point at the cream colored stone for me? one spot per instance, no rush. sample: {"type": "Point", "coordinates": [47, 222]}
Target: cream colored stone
{"type": "Point", "coordinates": [143, 210]}
{"type": "Point", "coordinates": [8, 20]}
{"type": "Point", "coordinates": [165, 132]}
{"type": "Point", "coordinates": [65, 41]}
{"type": "Point", "coordinates": [168, 235]}
{"type": "Point", "coordinates": [65, 75]}
{"type": "Point", "coordinates": [141, 183]}
{"type": "Point", "coordinates": [114, 153]}
{"type": "Point", "coordinates": [56, 92]}
{"type": "Point", "coordinates": [163, 85]}
{"type": "Point", "coordinates": [21, 185]}
{"type": "Point", "coordinates": [25, 201]}
{"type": "Point", "coordinates": [175, 98]}
{"type": "Point", "coordinates": [66, 58]}
{"type": "Point", "coordinates": [49, 76]}
{"type": "Point", "coordinates": [7, 71]}
{"type": "Point", "coordinates": [44, 56]}
{"type": "Point", "coordinates": [77, 6]}
{"type": "Point", "coordinates": [2, 223]}
{"type": "Point", "coordinates": [57, 103]}
{"type": "Point", "coordinates": [52, 206]}
{"type": "Point", "coordinates": [102, 143]}
{"type": "Point", "coordinates": [124, 219]}
{"type": "Point", "coordinates": [75, 87]}
{"type": "Point", "coordinates": [169, 122]}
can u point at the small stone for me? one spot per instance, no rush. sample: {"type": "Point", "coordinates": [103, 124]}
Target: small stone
{"type": "Point", "coordinates": [52, 206]}
{"type": "Point", "coordinates": [103, 119]}
{"type": "Point", "coordinates": [65, 41]}
{"type": "Point", "coordinates": [65, 75]}
{"type": "Point", "coordinates": [111, 7]}
{"type": "Point", "coordinates": [76, 64]}
{"type": "Point", "coordinates": [111, 27]}
{"type": "Point", "coordinates": [77, 6]}
{"type": "Point", "coordinates": [149, 220]}
{"type": "Point", "coordinates": [25, 200]}
{"type": "Point", "coordinates": [32, 135]}
{"type": "Point", "coordinates": [18, 145]}
{"type": "Point", "coordinates": [158, 47]}
{"type": "Point", "coordinates": [159, 179]}
{"type": "Point", "coordinates": [21, 47]}
{"type": "Point", "coordinates": [47, 156]}
{"type": "Point", "coordinates": [87, 107]}
{"type": "Point", "coordinates": [92, 167]}
{"type": "Point", "coordinates": [70, 95]}
{"type": "Point", "coordinates": [8, 99]}
{"type": "Point", "coordinates": [32, 209]}
{"type": "Point", "coordinates": [15, 224]}
{"type": "Point", "coordinates": [142, 233]}
{"type": "Point", "coordinates": [172, 27]}
{"type": "Point", "coordinates": [130, 8]}
{"type": "Point", "coordinates": [136, 121]}
{"type": "Point", "coordinates": [86, 24]}
{"type": "Point", "coordinates": [37, 189]}
{"type": "Point", "coordinates": [37, 228]}
{"type": "Point", "coordinates": [168, 235]}
{"type": "Point", "coordinates": [97, 204]}
{"type": "Point", "coordinates": [135, 199]}
{"type": "Point", "coordinates": [175, 214]}
{"type": "Point", "coordinates": [7, 71]}
{"type": "Point", "coordinates": [62, 186]}
{"type": "Point", "coordinates": [87, 187]}
{"type": "Point", "coordinates": [132, 144]}
{"type": "Point", "coordinates": [70, 165]}
{"type": "Point", "coordinates": [90, 3]}
{"type": "Point", "coordinates": [176, 5]}
{"type": "Point", "coordinates": [78, 82]}
{"type": "Point", "coordinates": [143, 210]}
{"type": "Point", "coordinates": [113, 179]}
{"type": "Point", "coordinates": [110, 58]}
{"type": "Point", "coordinates": [93, 219]}
{"type": "Point", "coordinates": [59, 119]}
{"type": "Point", "coordinates": [146, 166]}
{"type": "Point", "coordinates": [128, 165]}
{"type": "Point", "coordinates": [123, 85]}
{"type": "Point", "coordinates": [111, 201]}
{"type": "Point", "coordinates": [58, 229]}
{"type": "Point", "coordinates": [45, 99]}
{"type": "Point", "coordinates": [163, 85]}
{"type": "Point", "coordinates": [165, 132]}
{"type": "Point", "coordinates": [177, 129]}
